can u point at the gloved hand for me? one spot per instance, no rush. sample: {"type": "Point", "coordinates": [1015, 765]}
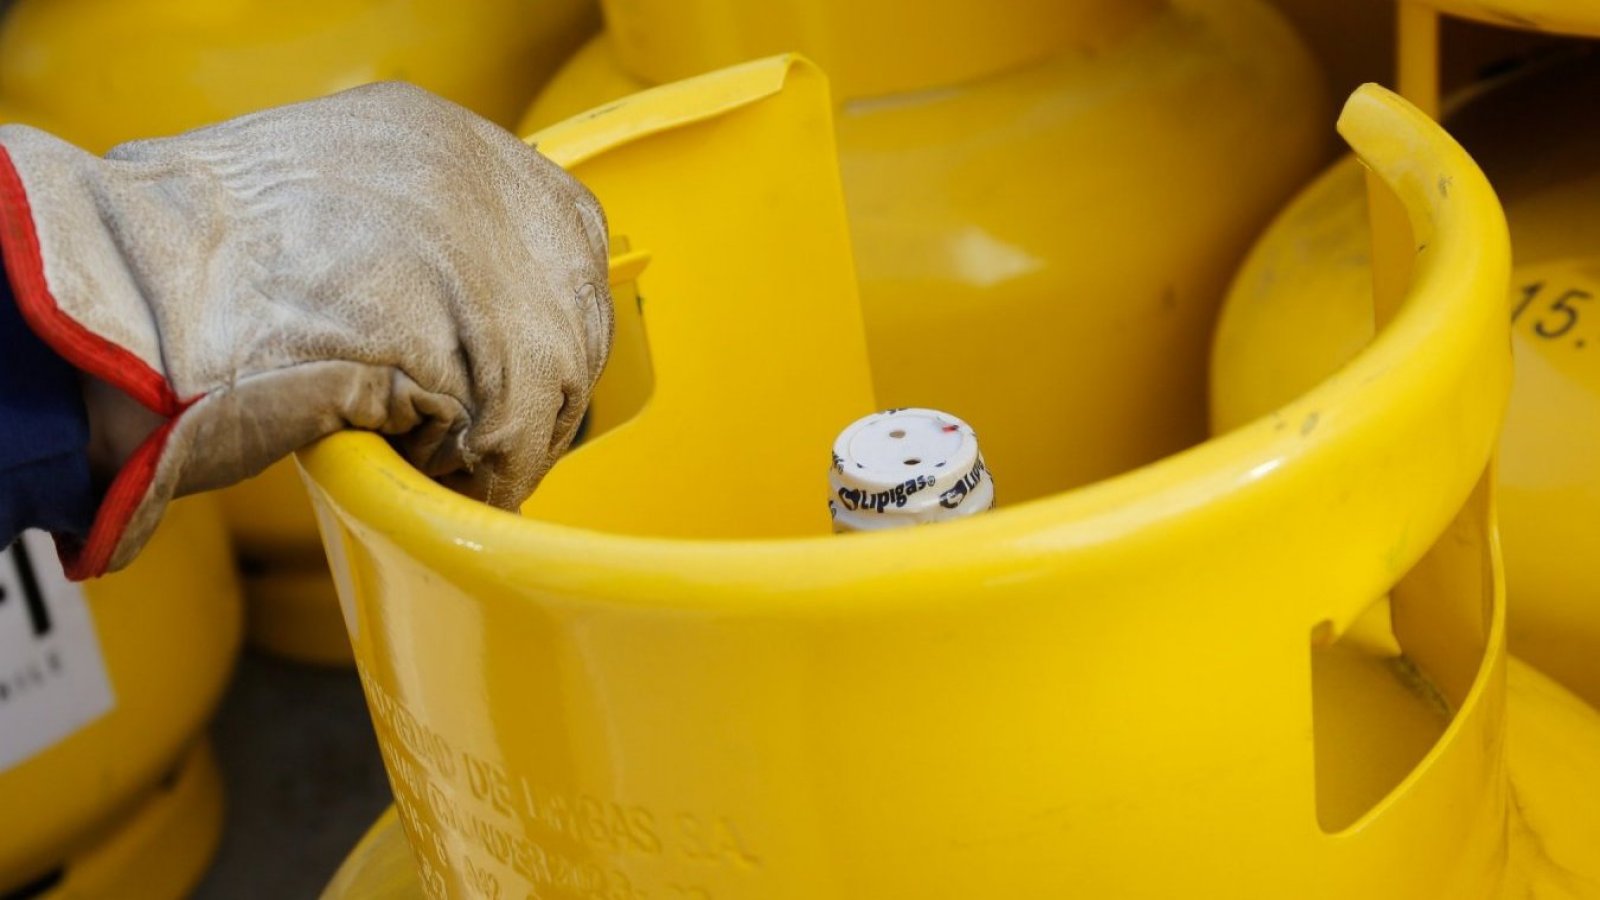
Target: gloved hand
{"type": "Point", "coordinates": [378, 259]}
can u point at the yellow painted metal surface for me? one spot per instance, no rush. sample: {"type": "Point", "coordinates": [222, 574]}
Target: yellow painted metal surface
{"type": "Point", "coordinates": [781, 222]}
{"type": "Point", "coordinates": [381, 867]}
{"type": "Point", "coordinates": [161, 851]}
{"type": "Point", "coordinates": [99, 72]}
{"type": "Point", "coordinates": [1555, 733]}
{"type": "Point", "coordinates": [293, 612]}
{"type": "Point", "coordinates": [704, 694]}
{"type": "Point", "coordinates": [1059, 223]}
{"type": "Point", "coordinates": [1300, 305]}
{"type": "Point", "coordinates": [168, 629]}
{"type": "Point", "coordinates": [868, 49]}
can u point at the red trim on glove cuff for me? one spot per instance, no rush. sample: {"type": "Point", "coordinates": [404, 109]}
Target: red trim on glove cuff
{"type": "Point", "coordinates": [89, 353]}
{"type": "Point", "coordinates": [89, 558]}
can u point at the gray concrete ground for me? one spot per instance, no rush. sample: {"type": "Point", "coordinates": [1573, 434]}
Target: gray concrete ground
{"type": "Point", "coordinates": [303, 777]}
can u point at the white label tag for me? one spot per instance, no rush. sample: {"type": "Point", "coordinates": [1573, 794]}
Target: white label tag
{"type": "Point", "coordinates": [52, 677]}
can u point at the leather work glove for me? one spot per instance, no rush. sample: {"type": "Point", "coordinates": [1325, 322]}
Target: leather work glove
{"type": "Point", "coordinates": [378, 259]}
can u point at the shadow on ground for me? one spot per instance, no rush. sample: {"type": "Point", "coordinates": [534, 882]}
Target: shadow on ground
{"type": "Point", "coordinates": [303, 779]}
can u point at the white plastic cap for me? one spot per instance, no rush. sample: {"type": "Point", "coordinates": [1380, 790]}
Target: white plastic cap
{"type": "Point", "coordinates": [906, 467]}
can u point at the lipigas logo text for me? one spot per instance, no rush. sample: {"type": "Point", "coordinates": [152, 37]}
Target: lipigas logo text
{"type": "Point", "coordinates": [957, 493]}
{"type": "Point", "coordinates": [880, 501]}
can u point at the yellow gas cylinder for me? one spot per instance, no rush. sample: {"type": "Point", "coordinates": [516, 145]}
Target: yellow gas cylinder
{"type": "Point", "coordinates": [106, 776]}
{"type": "Point", "coordinates": [1271, 665]}
{"type": "Point", "coordinates": [107, 71]}
{"type": "Point", "coordinates": [103, 71]}
{"type": "Point", "coordinates": [1024, 181]}
{"type": "Point", "coordinates": [1299, 305]}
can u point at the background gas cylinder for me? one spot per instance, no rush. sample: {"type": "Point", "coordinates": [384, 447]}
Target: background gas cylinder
{"type": "Point", "coordinates": [106, 776]}
{"type": "Point", "coordinates": [1046, 196]}
{"type": "Point", "coordinates": [1272, 665]}
{"type": "Point", "coordinates": [98, 72]}
{"type": "Point", "coordinates": [1300, 304]}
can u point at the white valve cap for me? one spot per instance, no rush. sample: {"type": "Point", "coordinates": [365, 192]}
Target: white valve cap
{"type": "Point", "coordinates": [906, 467]}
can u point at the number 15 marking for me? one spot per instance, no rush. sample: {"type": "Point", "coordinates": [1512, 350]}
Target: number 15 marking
{"type": "Point", "coordinates": [1562, 307]}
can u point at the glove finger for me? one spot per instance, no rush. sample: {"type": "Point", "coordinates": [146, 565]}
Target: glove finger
{"type": "Point", "coordinates": [231, 434]}
{"type": "Point", "coordinates": [514, 458]}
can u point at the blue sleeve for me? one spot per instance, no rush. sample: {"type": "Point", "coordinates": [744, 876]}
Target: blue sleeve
{"type": "Point", "coordinates": [44, 435]}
